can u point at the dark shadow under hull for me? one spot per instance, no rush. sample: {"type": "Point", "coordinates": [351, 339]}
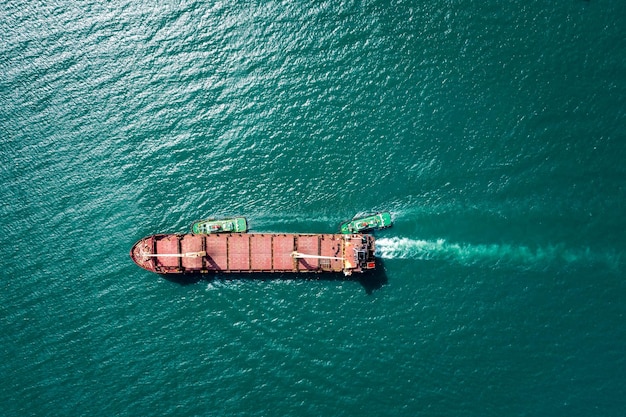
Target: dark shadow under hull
{"type": "Point", "coordinates": [369, 280]}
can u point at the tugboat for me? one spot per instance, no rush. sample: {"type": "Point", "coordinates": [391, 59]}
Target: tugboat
{"type": "Point", "coordinates": [212, 225]}
{"type": "Point", "coordinates": [367, 223]}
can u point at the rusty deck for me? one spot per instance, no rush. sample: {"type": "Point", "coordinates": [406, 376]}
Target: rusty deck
{"type": "Point", "coordinates": [254, 252]}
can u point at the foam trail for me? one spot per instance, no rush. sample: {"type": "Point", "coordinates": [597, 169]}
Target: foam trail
{"type": "Point", "coordinates": [495, 255]}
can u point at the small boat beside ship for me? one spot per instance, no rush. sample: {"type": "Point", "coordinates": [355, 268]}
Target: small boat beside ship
{"type": "Point", "coordinates": [227, 225]}
{"type": "Point", "coordinates": [254, 252]}
{"type": "Point", "coordinates": [363, 224]}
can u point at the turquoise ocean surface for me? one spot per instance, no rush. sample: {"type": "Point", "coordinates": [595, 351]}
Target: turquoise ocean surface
{"type": "Point", "coordinates": [493, 131]}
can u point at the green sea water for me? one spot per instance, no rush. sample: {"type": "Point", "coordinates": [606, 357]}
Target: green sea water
{"type": "Point", "coordinates": [492, 131]}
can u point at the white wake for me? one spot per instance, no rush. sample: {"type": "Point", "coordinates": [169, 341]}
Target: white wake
{"type": "Point", "coordinates": [492, 254]}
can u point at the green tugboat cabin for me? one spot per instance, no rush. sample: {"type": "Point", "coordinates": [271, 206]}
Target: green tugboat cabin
{"type": "Point", "coordinates": [368, 223]}
{"type": "Point", "coordinates": [212, 225]}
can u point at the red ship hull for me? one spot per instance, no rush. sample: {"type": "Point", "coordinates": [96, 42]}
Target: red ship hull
{"type": "Point", "coordinates": [254, 252]}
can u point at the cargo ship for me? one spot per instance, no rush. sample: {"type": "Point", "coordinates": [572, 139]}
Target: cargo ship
{"type": "Point", "coordinates": [254, 252]}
